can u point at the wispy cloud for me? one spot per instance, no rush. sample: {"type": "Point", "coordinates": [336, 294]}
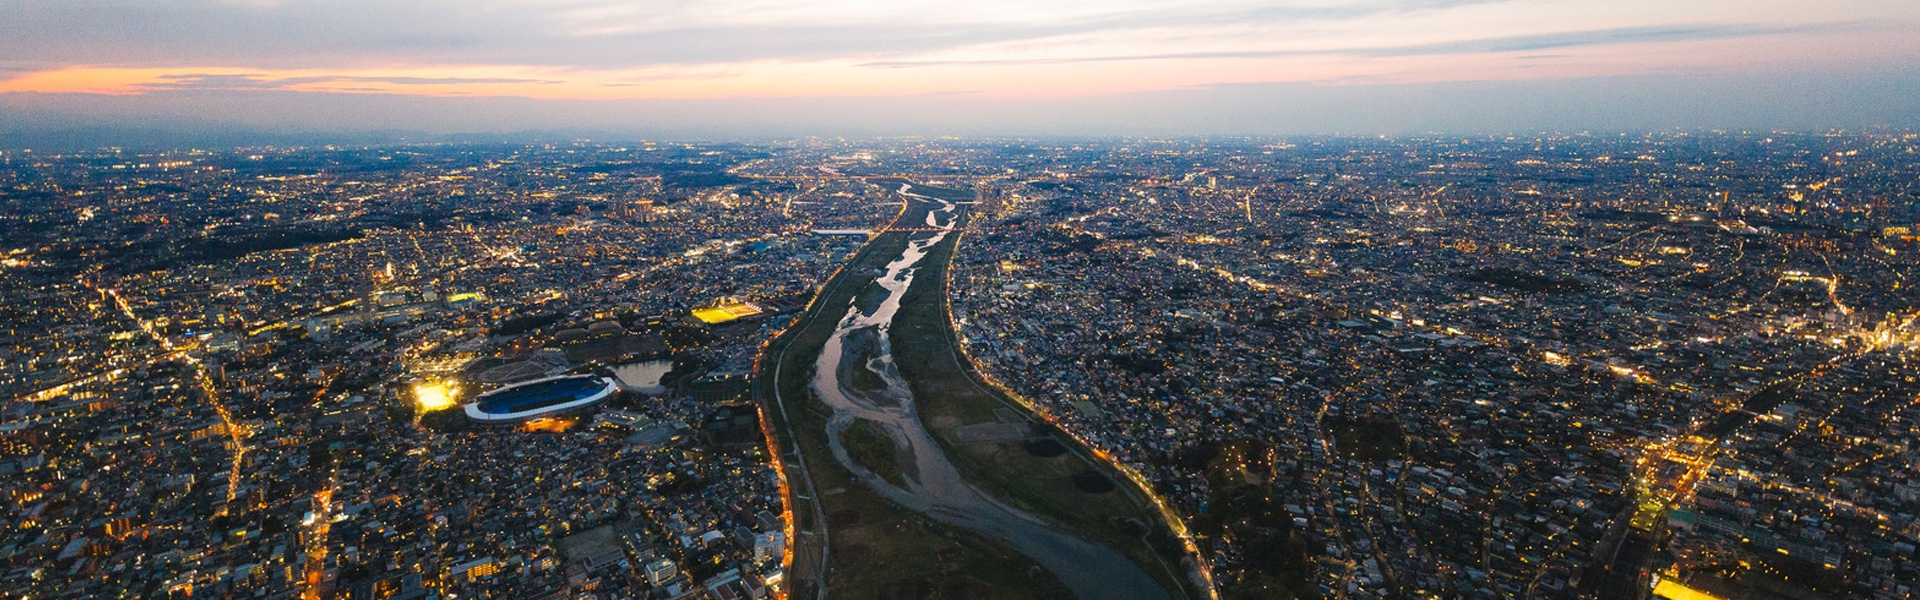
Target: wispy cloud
{"type": "Point", "coordinates": [259, 82]}
{"type": "Point", "coordinates": [603, 49]}
{"type": "Point", "coordinates": [1528, 43]}
{"type": "Point", "coordinates": [1603, 37]}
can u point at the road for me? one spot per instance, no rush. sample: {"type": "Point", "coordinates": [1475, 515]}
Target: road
{"type": "Point", "coordinates": [237, 432]}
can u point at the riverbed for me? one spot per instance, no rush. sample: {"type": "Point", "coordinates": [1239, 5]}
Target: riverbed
{"type": "Point", "coordinates": [930, 484]}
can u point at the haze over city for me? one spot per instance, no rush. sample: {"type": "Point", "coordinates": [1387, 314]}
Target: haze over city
{"type": "Point", "coordinates": [739, 69]}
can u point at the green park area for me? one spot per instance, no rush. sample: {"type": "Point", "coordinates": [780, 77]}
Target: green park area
{"type": "Point", "coordinates": [1367, 439]}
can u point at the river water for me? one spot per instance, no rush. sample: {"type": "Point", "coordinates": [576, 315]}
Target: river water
{"type": "Point", "coordinates": [932, 485]}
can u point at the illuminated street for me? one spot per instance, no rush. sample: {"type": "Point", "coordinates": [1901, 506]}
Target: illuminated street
{"type": "Point", "coordinates": [1554, 366]}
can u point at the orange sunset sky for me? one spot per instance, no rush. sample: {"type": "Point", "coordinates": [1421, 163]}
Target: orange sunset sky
{"type": "Point", "coordinates": [66, 55]}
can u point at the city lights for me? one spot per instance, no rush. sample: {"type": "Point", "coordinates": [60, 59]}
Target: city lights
{"type": "Point", "coordinates": [1343, 367]}
{"type": "Point", "coordinates": [436, 396]}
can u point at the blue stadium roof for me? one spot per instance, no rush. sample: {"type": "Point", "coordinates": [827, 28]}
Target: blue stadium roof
{"type": "Point", "coordinates": [540, 397]}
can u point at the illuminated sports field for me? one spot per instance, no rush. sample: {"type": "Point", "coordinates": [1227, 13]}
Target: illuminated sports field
{"type": "Point", "coordinates": [1674, 590]}
{"type": "Point", "coordinates": [540, 398]}
{"type": "Point", "coordinates": [725, 311]}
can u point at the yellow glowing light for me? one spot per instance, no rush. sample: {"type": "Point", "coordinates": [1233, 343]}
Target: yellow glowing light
{"type": "Point", "coordinates": [1674, 590]}
{"type": "Point", "coordinates": [436, 396]}
{"type": "Point", "coordinates": [725, 311]}
{"type": "Point", "coordinates": [548, 425]}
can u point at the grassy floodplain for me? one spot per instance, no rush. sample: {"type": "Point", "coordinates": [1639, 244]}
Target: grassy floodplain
{"type": "Point", "coordinates": [848, 538]}
{"type": "Point", "coordinates": [874, 548]}
{"type": "Point", "coordinates": [1084, 493]}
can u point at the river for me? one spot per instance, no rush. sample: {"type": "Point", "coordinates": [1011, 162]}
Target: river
{"type": "Point", "coordinates": [932, 485]}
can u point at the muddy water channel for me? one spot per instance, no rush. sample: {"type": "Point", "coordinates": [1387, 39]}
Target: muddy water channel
{"type": "Point", "coordinates": [857, 378]}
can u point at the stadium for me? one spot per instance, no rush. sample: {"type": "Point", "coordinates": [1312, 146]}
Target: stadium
{"type": "Point", "coordinates": [549, 397]}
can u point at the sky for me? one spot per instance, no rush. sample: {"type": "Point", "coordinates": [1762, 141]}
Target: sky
{"type": "Point", "coordinates": [746, 68]}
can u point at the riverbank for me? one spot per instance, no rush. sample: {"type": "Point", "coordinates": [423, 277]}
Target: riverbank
{"type": "Point", "coordinates": [991, 474]}
{"type": "Point", "coordinates": [850, 542]}
{"type": "Point", "coordinates": [991, 438]}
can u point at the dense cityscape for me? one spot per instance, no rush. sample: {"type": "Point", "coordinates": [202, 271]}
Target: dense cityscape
{"type": "Point", "coordinates": [1548, 366]}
